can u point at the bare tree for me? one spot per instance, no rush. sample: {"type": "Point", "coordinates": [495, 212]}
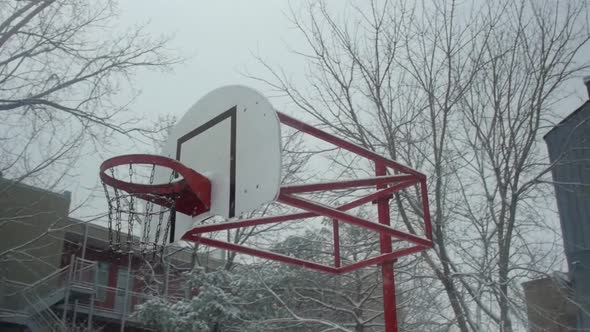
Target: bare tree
{"type": "Point", "coordinates": [62, 70]}
{"type": "Point", "coordinates": [66, 84]}
{"type": "Point", "coordinates": [460, 92]}
{"type": "Point", "coordinates": [299, 299]}
{"type": "Point", "coordinates": [504, 112]}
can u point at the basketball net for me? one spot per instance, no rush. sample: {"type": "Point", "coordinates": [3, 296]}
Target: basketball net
{"type": "Point", "coordinates": [134, 199]}
{"type": "Point", "coordinates": [125, 211]}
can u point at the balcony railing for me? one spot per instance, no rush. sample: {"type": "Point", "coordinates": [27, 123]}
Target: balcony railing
{"type": "Point", "coordinates": [44, 319]}
{"type": "Point", "coordinates": [35, 300]}
{"type": "Point", "coordinates": [84, 272]}
{"type": "Point", "coordinates": [115, 302]}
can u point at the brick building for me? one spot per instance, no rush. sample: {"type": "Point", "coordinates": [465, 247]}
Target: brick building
{"type": "Point", "coordinates": [57, 270]}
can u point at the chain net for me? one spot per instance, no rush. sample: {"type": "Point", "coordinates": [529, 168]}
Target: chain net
{"type": "Point", "coordinates": [135, 223]}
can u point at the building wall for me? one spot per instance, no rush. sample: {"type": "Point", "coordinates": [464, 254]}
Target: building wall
{"type": "Point", "coordinates": [26, 214]}
{"type": "Point", "coordinates": [569, 152]}
{"type": "Point", "coordinates": [113, 277]}
{"type": "Point", "coordinates": [548, 307]}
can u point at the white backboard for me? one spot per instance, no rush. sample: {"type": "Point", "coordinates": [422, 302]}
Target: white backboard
{"type": "Point", "coordinates": [231, 136]}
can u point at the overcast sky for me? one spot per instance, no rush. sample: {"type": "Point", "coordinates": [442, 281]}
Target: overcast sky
{"type": "Point", "coordinates": [217, 40]}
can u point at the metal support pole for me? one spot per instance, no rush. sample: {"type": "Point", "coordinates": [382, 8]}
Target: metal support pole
{"type": "Point", "coordinates": [92, 299]}
{"type": "Point", "coordinates": [85, 242]}
{"type": "Point", "coordinates": [91, 312]}
{"type": "Point", "coordinates": [166, 274]}
{"type": "Point", "coordinates": [68, 286]}
{"type": "Point", "coordinates": [75, 314]}
{"type": "Point", "coordinates": [389, 309]}
{"type": "Point", "coordinates": [126, 297]}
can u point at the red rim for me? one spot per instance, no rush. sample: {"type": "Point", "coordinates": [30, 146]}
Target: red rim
{"type": "Point", "coordinates": [192, 192]}
{"type": "Point", "coordinates": [143, 159]}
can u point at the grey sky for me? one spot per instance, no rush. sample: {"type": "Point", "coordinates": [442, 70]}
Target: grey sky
{"type": "Point", "coordinates": [218, 39]}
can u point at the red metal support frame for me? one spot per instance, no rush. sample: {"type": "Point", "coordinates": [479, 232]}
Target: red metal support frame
{"type": "Point", "coordinates": [342, 143]}
{"type": "Point", "coordinates": [261, 253]}
{"type": "Point", "coordinates": [347, 184]}
{"type": "Point", "coordinates": [354, 220]}
{"type": "Point", "coordinates": [296, 216]}
{"type": "Point", "coordinates": [384, 184]}
{"type": "Point", "coordinates": [390, 257]}
{"type": "Point", "coordinates": [388, 279]}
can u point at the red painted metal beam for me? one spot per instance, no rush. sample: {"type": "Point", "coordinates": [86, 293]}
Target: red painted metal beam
{"type": "Point", "coordinates": [386, 232]}
{"type": "Point", "coordinates": [300, 262]}
{"type": "Point", "coordinates": [297, 216]}
{"type": "Point", "coordinates": [259, 253]}
{"type": "Point", "coordinates": [388, 279]}
{"type": "Point", "coordinates": [346, 184]}
{"type": "Point", "coordinates": [354, 220]}
{"type": "Point", "coordinates": [387, 257]}
{"type": "Point", "coordinates": [249, 222]}
{"type": "Point", "coordinates": [311, 130]}
{"type": "Point", "coordinates": [376, 195]}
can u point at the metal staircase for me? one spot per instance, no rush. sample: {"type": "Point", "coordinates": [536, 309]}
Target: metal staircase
{"type": "Point", "coordinates": [31, 305]}
{"type": "Point", "coordinates": [43, 319]}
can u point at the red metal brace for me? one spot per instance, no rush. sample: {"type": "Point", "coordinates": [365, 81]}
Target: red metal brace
{"type": "Point", "coordinates": [385, 185]}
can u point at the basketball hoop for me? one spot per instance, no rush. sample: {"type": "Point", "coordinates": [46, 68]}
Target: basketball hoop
{"type": "Point", "coordinates": [133, 197]}
{"type": "Point", "coordinates": [233, 134]}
